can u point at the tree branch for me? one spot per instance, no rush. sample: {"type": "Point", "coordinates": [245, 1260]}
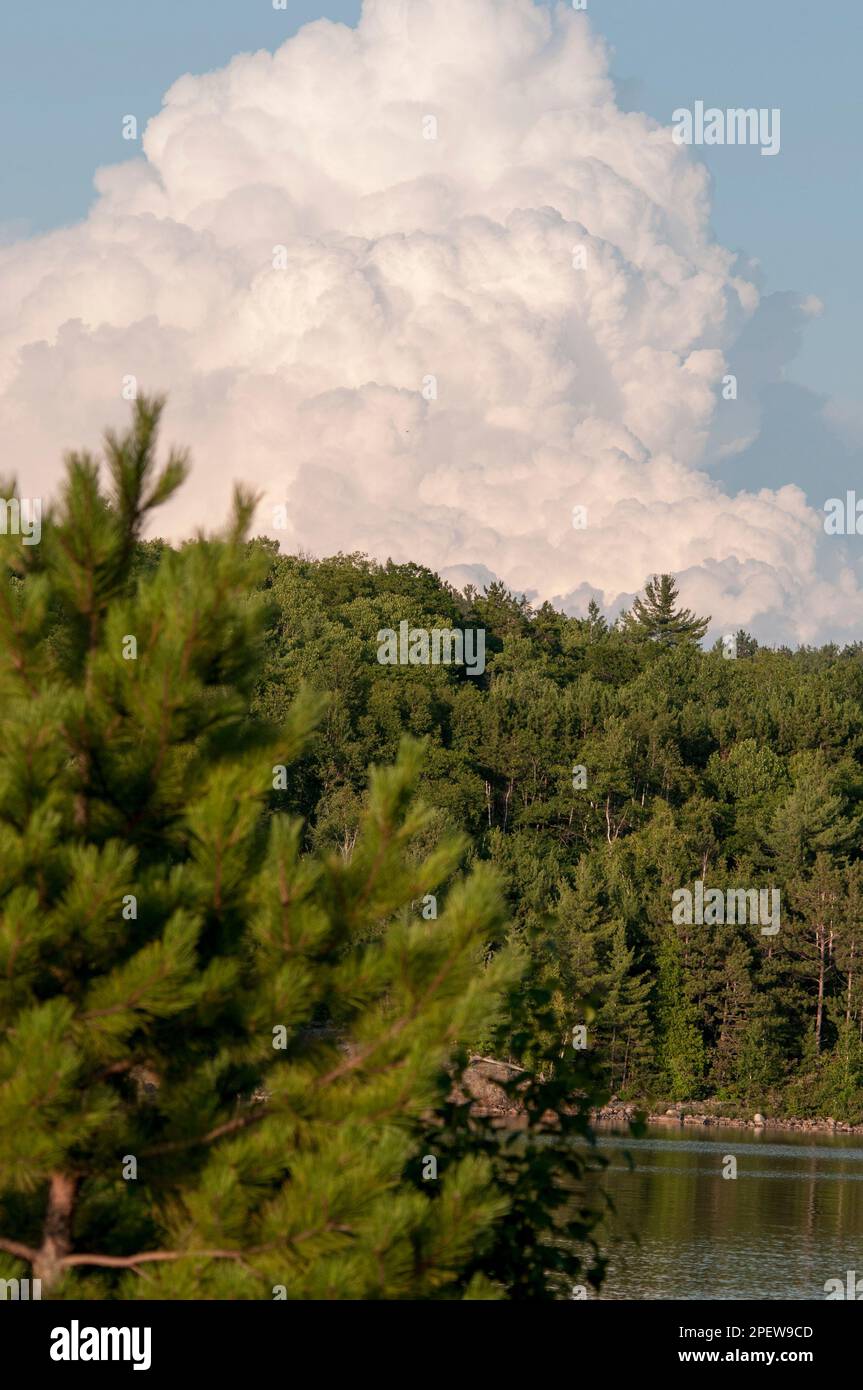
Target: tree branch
{"type": "Point", "coordinates": [21, 1252]}
{"type": "Point", "coordinates": [151, 1256]}
{"type": "Point", "coordinates": [175, 1145]}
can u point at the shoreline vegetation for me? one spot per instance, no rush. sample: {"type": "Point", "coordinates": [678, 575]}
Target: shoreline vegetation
{"type": "Point", "coordinates": [681, 1116]}
{"type": "Point", "coordinates": [484, 1076]}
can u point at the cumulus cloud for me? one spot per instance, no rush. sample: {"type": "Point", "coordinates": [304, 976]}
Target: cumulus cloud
{"type": "Point", "coordinates": [426, 286]}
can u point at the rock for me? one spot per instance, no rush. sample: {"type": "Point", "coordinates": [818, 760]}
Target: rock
{"type": "Point", "coordinates": [758, 1118]}
{"type": "Point", "coordinates": [671, 1112]}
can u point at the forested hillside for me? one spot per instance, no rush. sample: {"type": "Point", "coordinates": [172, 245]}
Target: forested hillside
{"type": "Point", "coordinates": [742, 773]}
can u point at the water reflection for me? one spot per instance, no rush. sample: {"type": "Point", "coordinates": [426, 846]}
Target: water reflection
{"type": "Point", "coordinates": [791, 1220]}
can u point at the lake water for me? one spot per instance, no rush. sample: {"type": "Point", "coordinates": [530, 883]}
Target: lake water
{"type": "Point", "coordinates": [789, 1221]}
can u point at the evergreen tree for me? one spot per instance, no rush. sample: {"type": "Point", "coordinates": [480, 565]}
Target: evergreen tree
{"type": "Point", "coordinates": [733, 1010]}
{"type": "Point", "coordinates": [762, 1057]}
{"type": "Point", "coordinates": [624, 1018]}
{"type": "Point", "coordinates": [656, 616]}
{"type": "Point", "coordinates": [745, 644]}
{"type": "Point", "coordinates": [595, 623]}
{"type": "Point", "coordinates": [581, 943]}
{"type": "Point", "coordinates": [841, 1086]}
{"type": "Point", "coordinates": [681, 1044]}
{"type": "Point", "coordinates": [811, 817]}
{"type": "Point", "coordinates": [226, 1067]}
{"type": "Point", "coordinates": [849, 949]}
{"type": "Point", "coordinates": [811, 934]}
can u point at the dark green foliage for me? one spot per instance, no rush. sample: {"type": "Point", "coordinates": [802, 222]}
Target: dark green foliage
{"type": "Point", "coordinates": [294, 902]}
{"type": "Point", "coordinates": [736, 772]}
{"type": "Point", "coordinates": [655, 616]}
{"type": "Point", "coordinates": [224, 1061]}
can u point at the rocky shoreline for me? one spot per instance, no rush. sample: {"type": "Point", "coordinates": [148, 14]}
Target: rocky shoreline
{"type": "Point", "coordinates": [682, 1115]}
{"type": "Point", "coordinates": [481, 1083]}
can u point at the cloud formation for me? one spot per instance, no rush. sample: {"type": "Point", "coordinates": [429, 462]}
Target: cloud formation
{"type": "Point", "coordinates": [429, 348]}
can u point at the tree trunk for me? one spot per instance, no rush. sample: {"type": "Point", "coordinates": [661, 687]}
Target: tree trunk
{"type": "Point", "coordinates": [822, 943]}
{"type": "Point", "coordinates": [57, 1231]}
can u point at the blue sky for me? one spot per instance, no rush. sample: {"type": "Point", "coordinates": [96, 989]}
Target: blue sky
{"type": "Point", "coordinates": [68, 73]}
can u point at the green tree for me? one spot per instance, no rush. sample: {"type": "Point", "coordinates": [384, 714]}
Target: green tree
{"type": "Point", "coordinates": [681, 1044]}
{"type": "Point", "coordinates": [624, 1018]}
{"type": "Point", "coordinates": [227, 1067]}
{"type": "Point", "coordinates": [810, 819]}
{"type": "Point", "coordinates": [595, 623]}
{"type": "Point", "coordinates": [656, 616]}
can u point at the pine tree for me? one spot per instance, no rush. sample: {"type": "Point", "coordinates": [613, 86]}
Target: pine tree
{"type": "Point", "coordinates": [811, 817]}
{"type": "Point", "coordinates": [732, 1007]}
{"type": "Point", "coordinates": [681, 1044]}
{"type": "Point", "coordinates": [226, 1066]}
{"type": "Point", "coordinates": [624, 1018]}
{"type": "Point", "coordinates": [841, 1092]}
{"type": "Point", "coordinates": [584, 932]}
{"type": "Point", "coordinates": [656, 617]}
{"type": "Point", "coordinates": [595, 621]}
{"type": "Point", "coordinates": [849, 947]}
{"type": "Point", "coordinates": [745, 645]}
{"type": "Point", "coordinates": [811, 935]}
{"type": "Point", "coordinates": [592, 976]}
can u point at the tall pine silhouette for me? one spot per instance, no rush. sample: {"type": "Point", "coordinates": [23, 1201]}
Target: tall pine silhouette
{"type": "Point", "coordinates": [657, 616]}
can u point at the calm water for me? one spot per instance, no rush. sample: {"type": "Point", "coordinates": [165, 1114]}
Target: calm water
{"type": "Point", "coordinates": [792, 1218]}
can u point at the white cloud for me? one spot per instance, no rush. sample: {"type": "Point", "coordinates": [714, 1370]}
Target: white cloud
{"type": "Point", "coordinates": [408, 258]}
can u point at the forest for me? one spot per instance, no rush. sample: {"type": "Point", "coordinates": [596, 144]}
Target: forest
{"type": "Point", "coordinates": [602, 768]}
{"type": "Point", "coordinates": [263, 896]}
